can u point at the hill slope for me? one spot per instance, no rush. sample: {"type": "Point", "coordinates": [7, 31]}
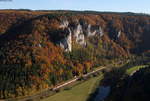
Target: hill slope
{"type": "Point", "coordinates": [39, 50]}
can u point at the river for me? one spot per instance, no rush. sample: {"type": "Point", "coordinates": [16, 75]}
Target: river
{"type": "Point", "coordinates": [103, 92]}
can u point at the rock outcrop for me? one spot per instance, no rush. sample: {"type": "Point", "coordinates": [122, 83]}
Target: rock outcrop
{"type": "Point", "coordinates": [79, 33]}
{"type": "Point", "coordinates": [66, 43]}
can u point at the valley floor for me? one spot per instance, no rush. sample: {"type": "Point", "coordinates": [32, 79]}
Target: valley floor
{"type": "Point", "coordinates": [80, 92]}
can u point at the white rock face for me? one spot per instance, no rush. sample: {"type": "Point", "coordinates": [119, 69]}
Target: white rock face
{"type": "Point", "coordinates": [119, 33]}
{"type": "Point", "coordinates": [66, 43]}
{"type": "Point", "coordinates": [78, 31]}
{"type": "Point", "coordinates": [81, 40]}
{"type": "Point", "coordinates": [69, 40]}
{"type": "Point", "coordinates": [89, 33]}
{"type": "Point", "coordinates": [79, 36]}
{"type": "Point", "coordinates": [64, 24]}
{"type": "Point", "coordinates": [101, 33]}
{"type": "Point", "coordinates": [40, 45]}
{"type": "Point", "coordinates": [96, 31]}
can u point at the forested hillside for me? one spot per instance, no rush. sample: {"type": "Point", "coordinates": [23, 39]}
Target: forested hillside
{"type": "Point", "coordinates": [41, 49]}
{"type": "Point", "coordinates": [133, 88]}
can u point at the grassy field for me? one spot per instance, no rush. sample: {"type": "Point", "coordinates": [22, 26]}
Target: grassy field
{"type": "Point", "coordinates": [79, 92]}
{"type": "Point", "coordinates": [130, 70]}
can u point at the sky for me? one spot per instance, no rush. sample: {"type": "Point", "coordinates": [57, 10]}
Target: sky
{"type": "Point", "coordinates": [137, 6]}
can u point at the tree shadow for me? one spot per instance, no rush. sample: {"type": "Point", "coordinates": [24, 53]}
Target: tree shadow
{"type": "Point", "coordinates": [117, 78]}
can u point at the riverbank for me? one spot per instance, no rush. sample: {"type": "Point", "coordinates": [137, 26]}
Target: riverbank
{"type": "Point", "coordinates": [79, 92]}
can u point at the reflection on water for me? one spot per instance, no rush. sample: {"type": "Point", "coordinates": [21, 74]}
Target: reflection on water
{"type": "Point", "coordinates": [103, 92]}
